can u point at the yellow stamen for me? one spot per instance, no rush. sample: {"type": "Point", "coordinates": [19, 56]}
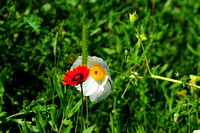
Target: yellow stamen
{"type": "Point", "coordinates": [97, 72]}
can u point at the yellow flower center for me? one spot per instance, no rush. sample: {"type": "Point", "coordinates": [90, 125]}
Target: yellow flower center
{"type": "Point", "coordinates": [97, 72]}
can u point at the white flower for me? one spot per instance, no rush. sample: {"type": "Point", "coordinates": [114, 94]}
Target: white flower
{"type": "Point", "coordinates": [196, 131]}
{"type": "Point", "coordinates": [97, 86]}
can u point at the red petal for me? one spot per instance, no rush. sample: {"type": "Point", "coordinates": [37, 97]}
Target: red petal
{"type": "Point", "coordinates": [69, 77]}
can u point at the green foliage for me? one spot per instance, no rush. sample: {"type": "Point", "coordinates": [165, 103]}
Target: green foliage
{"type": "Point", "coordinates": [2, 90]}
{"type": "Point", "coordinates": [89, 129]}
{"type": "Point", "coordinates": [39, 41]}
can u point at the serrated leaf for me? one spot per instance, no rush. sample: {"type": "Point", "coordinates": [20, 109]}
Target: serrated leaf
{"type": "Point", "coordinates": [34, 22]}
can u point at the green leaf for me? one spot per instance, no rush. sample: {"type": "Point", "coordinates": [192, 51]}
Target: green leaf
{"type": "Point", "coordinates": [40, 123]}
{"type": "Point", "coordinates": [2, 79]}
{"type": "Point", "coordinates": [25, 127]}
{"type": "Point", "coordinates": [89, 129]}
{"type": "Point", "coordinates": [163, 68]}
{"type": "Point", "coordinates": [53, 121]}
{"type": "Point", "coordinates": [69, 127]}
{"type": "Point", "coordinates": [2, 75]}
{"type": "Point", "coordinates": [111, 122]}
{"type": "Point", "coordinates": [3, 114]}
{"type": "Point", "coordinates": [69, 113]}
{"type": "Point", "coordinates": [66, 122]}
{"type": "Point", "coordinates": [109, 51]}
{"type": "Point", "coordinates": [192, 50]}
{"type": "Point", "coordinates": [34, 22]}
{"type": "Point", "coordinates": [58, 87]}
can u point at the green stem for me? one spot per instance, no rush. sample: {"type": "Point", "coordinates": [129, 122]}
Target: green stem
{"type": "Point", "coordinates": [157, 77]}
{"type": "Point", "coordinates": [87, 109]}
{"type": "Point", "coordinates": [81, 108]}
{"type": "Point", "coordinates": [173, 80]}
{"type": "Point", "coordinates": [189, 118]}
{"type": "Point", "coordinates": [145, 56]}
{"type": "Point", "coordinates": [131, 77]}
{"type": "Point", "coordinates": [77, 121]}
{"type": "Point", "coordinates": [144, 107]}
{"type": "Point", "coordinates": [17, 114]}
{"type": "Point", "coordinates": [61, 124]}
{"type": "Point", "coordinates": [197, 112]}
{"type": "Point", "coordinates": [126, 88]}
{"type": "Point", "coordinates": [148, 68]}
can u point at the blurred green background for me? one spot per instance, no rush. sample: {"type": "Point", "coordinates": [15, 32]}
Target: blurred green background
{"type": "Point", "coordinates": [39, 39]}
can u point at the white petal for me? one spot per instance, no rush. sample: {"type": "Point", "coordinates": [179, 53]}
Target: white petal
{"type": "Point", "coordinates": [90, 62]}
{"type": "Point", "coordinates": [106, 92]}
{"type": "Point", "coordinates": [90, 86]}
{"type": "Point", "coordinates": [77, 62]}
{"type": "Point", "coordinates": [93, 97]}
{"type": "Point", "coordinates": [106, 68]}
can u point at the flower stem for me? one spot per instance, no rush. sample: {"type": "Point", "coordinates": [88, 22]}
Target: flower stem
{"type": "Point", "coordinates": [87, 109]}
{"type": "Point", "coordinates": [157, 77]}
{"type": "Point", "coordinates": [77, 121]}
{"type": "Point", "coordinates": [189, 119]}
{"type": "Point", "coordinates": [61, 123]}
{"type": "Point", "coordinates": [81, 108]}
{"type": "Point", "coordinates": [145, 56]}
{"type": "Point", "coordinates": [173, 80]}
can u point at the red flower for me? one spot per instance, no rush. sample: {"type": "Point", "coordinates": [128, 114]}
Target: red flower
{"type": "Point", "coordinates": [76, 75]}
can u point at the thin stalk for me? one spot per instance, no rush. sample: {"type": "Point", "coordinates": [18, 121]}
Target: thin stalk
{"type": "Point", "coordinates": [144, 108]}
{"type": "Point", "coordinates": [61, 124]}
{"type": "Point", "coordinates": [157, 77]}
{"type": "Point", "coordinates": [81, 108]}
{"type": "Point", "coordinates": [197, 112]}
{"type": "Point", "coordinates": [131, 77]}
{"type": "Point", "coordinates": [126, 88]}
{"type": "Point", "coordinates": [17, 114]}
{"type": "Point", "coordinates": [76, 121]}
{"type": "Point", "coordinates": [194, 93]}
{"type": "Point", "coordinates": [173, 80]}
{"type": "Point", "coordinates": [148, 68]}
{"type": "Point", "coordinates": [145, 56]}
{"type": "Point", "coordinates": [87, 110]}
{"type": "Point", "coordinates": [189, 118]}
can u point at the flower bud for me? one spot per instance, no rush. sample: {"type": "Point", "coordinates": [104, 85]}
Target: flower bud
{"type": "Point", "coordinates": [126, 51]}
{"type": "Point", "coordinates": [133, 17]}
{"type": "Point", "coordinates": [176, 115]}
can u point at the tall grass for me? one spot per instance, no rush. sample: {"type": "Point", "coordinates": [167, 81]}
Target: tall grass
{"type": "Point", "coordinates": [39, 40]}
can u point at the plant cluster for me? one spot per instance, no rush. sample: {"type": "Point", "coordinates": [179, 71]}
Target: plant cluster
{"type": "Point", "coordinates": [152, 50]}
